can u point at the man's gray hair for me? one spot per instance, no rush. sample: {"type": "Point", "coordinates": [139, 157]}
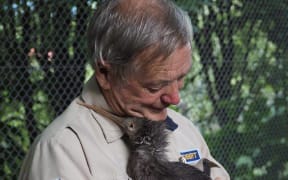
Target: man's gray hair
{"type": "Point", "coordinates": [122, 30]}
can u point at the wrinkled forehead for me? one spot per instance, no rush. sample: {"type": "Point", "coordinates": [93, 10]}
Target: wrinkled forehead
{"type": "Point", "coordinates": [153, 58]}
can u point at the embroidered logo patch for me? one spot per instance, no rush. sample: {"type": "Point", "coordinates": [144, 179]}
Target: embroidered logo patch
{"type": "Point", "coordinates": [190, 156]}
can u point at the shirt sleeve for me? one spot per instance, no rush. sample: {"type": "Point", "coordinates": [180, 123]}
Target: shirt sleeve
{"type": "Point", "coordinates": [217, 173]}
{"type": "Point", "coordinates": [190, 133]}
{"type": "Point", "coordinates": [60, 157]}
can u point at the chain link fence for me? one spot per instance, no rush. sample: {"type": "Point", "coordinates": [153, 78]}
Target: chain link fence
{"type": "Point", "coordinates": [236, 92]}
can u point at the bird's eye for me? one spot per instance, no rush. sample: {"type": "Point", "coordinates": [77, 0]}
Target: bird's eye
{"type": "Point", "coordinates": [131, 125]}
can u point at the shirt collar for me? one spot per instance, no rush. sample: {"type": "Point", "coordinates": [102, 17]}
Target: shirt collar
{"type": "Point", "coordinates": [170, 124]}
{"type": "Point", "coordinates": [92, 95]}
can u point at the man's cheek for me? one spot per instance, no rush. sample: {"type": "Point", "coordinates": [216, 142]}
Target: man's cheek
{"type": "Point", "coordinates": [150, 101]}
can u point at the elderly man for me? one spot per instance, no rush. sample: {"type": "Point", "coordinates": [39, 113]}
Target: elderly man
{"type": "Point", "coordinates": [141, 51]}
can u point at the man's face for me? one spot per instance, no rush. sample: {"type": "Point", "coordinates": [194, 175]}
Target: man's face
{"type": "Point", "coordinates": [148, 93]}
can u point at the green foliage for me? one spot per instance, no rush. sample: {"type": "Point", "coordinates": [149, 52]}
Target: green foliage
{"type": "Point", "coordinates": [14, 137]}
{"type": "Point", "coordinates": [236, 91]}
{"type": "Point", "coordinates": [241, 100]}
{"type": "Point", "coordinates": [38, 40]}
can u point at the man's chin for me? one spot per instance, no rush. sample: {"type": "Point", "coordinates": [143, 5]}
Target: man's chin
{"type": "Point", "coordinates": [157, 115]}
{"type": "Point", "coordinates": [151, 114]}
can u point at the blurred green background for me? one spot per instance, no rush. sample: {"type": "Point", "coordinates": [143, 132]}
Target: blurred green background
{"type": "Point", "coordinates": [236, 92]}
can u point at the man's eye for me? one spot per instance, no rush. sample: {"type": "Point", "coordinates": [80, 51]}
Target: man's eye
{"type": "Point", "coordinates": [154, 89]}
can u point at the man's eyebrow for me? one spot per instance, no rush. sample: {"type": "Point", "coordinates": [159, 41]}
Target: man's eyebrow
{"type": "Point", "coordinates": [165, 81]}
{"type": "Point", "coordinates": [159, 82]}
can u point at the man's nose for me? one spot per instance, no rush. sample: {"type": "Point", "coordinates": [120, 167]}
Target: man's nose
{"type": "Point", "coordinates": [171, 95]}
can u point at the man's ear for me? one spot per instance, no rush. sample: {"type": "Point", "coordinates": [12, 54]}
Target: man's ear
{"type": "Point", "coordinates": [103, 75]}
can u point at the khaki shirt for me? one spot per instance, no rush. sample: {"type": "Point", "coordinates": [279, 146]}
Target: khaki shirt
{"type": "Point", "coordinates": [81, 144]}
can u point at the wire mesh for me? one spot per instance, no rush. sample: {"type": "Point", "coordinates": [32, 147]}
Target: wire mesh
{"type": "Point", "coordinates": [236, 92]}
